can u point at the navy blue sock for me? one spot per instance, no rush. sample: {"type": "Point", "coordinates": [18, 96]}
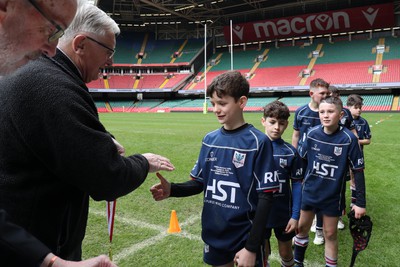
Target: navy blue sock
{"type": "Point", "coordinates": [300, 247]}
{"type": "Point", "coordinates": [320, 221]}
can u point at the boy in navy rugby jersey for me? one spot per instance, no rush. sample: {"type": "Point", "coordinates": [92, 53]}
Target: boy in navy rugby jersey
{"type": "Point", "coordinates": [347, 121]}
{"type": "Point", "coordinates": [355, 103]}
{"type": "Point", "coordinates": [306, 117]}
{"type": "Point", "coordinates": [329, 149]}
{"type": "Point", "coordinates": [286, 205]}
{"type": "Point", "coordinates": [236, 172]}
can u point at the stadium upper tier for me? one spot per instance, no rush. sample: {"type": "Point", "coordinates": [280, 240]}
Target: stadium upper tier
{"type": "Point", "coordinates": [340, 62]}
{"type": "Point", "coordinates": [374, 102]}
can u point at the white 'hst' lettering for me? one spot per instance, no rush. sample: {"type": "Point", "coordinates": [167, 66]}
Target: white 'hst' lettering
{"type": "Point", "coordinates": [221, 189]}
{"type": "Point", "coordinates": [324, 169]}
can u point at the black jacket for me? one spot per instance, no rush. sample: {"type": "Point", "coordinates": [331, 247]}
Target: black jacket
{"type": "Point", "coordinates": [55, 153]}
{"type": "Point", "coordinates": [17, 247]}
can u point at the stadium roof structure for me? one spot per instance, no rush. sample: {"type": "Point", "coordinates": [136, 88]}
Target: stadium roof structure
{"type": "Point", "coordinates": [185, 16]}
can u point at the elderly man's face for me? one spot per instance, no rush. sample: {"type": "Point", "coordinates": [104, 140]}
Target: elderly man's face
{"type": "Point", "coordinates": [25, 28]}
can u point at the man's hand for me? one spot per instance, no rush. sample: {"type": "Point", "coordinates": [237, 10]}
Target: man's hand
{"type": "Point", "coordinates": [158, 163]}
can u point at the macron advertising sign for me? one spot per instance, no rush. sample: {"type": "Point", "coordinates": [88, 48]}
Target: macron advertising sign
{"type": "Point", "coordinates": [352, 19]}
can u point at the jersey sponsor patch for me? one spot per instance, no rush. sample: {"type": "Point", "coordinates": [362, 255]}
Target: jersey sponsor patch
{"type": "Point", "coordinates": [238, 159]}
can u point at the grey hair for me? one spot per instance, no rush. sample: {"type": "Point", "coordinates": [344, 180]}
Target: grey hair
{"type": "Point", "coordinates": [90, 19]}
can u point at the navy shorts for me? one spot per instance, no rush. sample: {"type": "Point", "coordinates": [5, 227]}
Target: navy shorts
{"type": "Point", "coordinates": [213, 256]}
{"type": "Point", "coordinates": [280, 234]}
{"type": "Point", "coordinates": [331, 211]}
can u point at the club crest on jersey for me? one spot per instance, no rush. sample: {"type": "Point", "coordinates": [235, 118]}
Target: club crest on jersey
{"type": "Point", "coordinates": [283, 163]}
{"type": "Point", "coordinates": [338, 151]}
{"type": "Point", "coordinates": [238, 159]}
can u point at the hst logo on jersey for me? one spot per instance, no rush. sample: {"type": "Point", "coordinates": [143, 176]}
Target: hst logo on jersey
{"type": "Point", "coordinates": [222, 190]}
{"type": "Point", "coordinates": [337, 151]}
{"type": "Point", "coordinates": [238, 159]}
{"type": "Point", "coordinates": [283, 163]}
{"type": "Point", "coordinates": [324, 169]}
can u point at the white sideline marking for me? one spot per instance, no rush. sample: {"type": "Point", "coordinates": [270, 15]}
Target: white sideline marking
{"type": "Point", "coordinates": [163, 233]}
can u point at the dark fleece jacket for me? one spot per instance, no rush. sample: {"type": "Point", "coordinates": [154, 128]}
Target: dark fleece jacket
{"type": "Point", "coordinates": [55, 153]}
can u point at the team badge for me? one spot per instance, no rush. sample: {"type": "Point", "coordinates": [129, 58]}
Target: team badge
{"type": "Point", "coordinates": [283, 163]}
{"type": "Point", "coordinates": [337, 151]}
{"type": "Point", "coordinates": [238, 159]}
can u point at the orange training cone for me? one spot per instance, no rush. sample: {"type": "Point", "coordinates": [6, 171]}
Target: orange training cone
{"type": "Point", "coordinates": [173, 223]}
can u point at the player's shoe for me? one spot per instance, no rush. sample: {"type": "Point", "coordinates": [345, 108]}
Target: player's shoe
{"type": "Point", "coordinates": [340, 224]}
{"type": "Point", "coordinates": [314, 225]}
{"type": "Point", "coordinates": [319, 238]}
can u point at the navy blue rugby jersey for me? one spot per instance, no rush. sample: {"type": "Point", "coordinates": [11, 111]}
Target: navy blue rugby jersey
{"type": "Point", "coordinates": [347, 119]}
{"type": "Point", "coordinates": [328, 159]}
{"type": "Point", "coordinates": [362, 128]}
{"type": "Point", "coordinates": [286, 203]}
{"type": "Point", "coordinates": [304, 119]}
{"type": "Point", "coordinates": [233, 166]}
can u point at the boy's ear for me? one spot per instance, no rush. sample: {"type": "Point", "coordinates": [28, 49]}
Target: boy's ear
{"type": "Point", "coordinates": [242, 101]}
{"type": "Point", "coordinates": [262, 121]}
{"type": "Point", "coordinates": [341, 114]}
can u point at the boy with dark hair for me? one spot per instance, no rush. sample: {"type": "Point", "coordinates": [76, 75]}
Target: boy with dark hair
{"type": "Point", "coordinates": [286, 205]}
{"type": "Point", "coordinates": [329, 150]}
{"type": "Point", "coordinates": [355, 103]}
{"type": "Point", "coordinates": [236, 172]}
{"type": "Point", "coordinates": [306, 117]}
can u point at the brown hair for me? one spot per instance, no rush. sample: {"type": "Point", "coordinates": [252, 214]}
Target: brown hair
{"type": "Point", "coordinates": [333, 100]}
{"type": "Point", "coordinates": [355, 100]}
{"type": "Point", "coordinates": [231, 83]}
{"type": "Point", "coordinates": [276, 109]}
{"type": "Point", "coordinates": [318, 83]}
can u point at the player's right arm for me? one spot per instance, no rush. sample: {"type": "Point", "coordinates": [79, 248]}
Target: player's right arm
{"type": "Point", "coordinates": [165, 189]}
{"type": "Point", "coordinates": [295, 138]}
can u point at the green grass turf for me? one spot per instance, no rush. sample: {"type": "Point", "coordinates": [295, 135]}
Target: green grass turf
{"type": "Point", "coordinates": [140, 237]}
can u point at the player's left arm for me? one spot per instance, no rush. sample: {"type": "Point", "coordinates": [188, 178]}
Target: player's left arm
{"type": "Point", "coordinates": [360, 205]}
{"type": "Point", "coordinates": [356, 158]}
{"type": "Point", "coordinates": [366, 139]}
{"type": "Point", "coordinates": [364, 142]}
{"type": "Point", "coordinates": [264, 166]}
{"type": "Point", "coordinates": [257, 233]}
{"type": "Point", "coordinates": [297, 174]}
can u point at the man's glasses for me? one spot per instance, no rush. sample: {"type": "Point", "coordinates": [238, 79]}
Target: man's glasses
{"type": "Point", "coordinates": [112, 51]}
{"type": "Point", "coordinates": [59, 31]}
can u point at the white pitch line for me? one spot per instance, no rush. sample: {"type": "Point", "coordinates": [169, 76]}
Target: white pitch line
{"type": "Point", "coordinates": [163, 234]}
{"type": "Point", "coordinates": [130, 221]}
